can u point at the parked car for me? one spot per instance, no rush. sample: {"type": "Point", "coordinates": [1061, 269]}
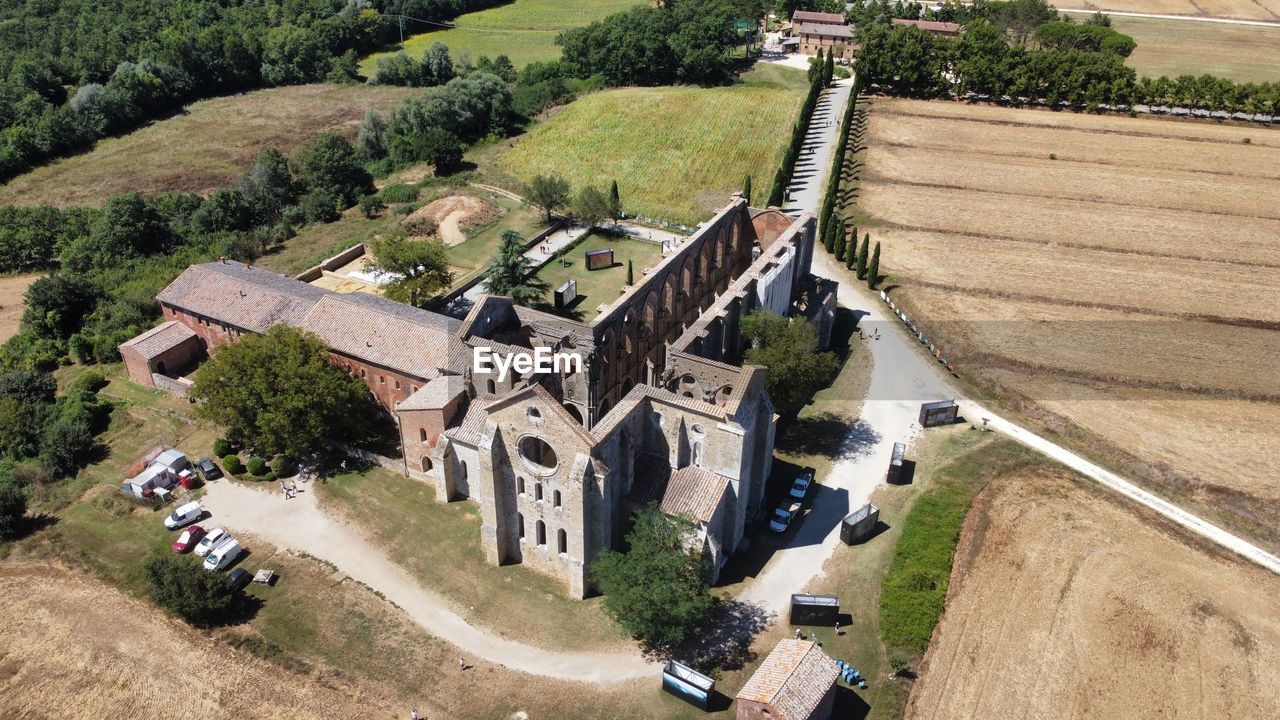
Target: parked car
{"type": "Point", "coordinates": [240, 578]}
{"type": "Point", "coordinates": [208, 470]}
{"type": "Point", "coordinates": [800, 487]}
{"type": "Point", "coordinates": [188, 539]}
{"type": "Point", "coordinates": [184, 515]}
{"type": "Point", "coordinates": [221, 557]}
{"type": "Point", "coordinates": [210, 541]}
{"type": "Point", "coordinates": [783, 516]}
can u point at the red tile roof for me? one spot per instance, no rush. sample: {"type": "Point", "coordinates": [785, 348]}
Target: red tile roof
{"type": "Point", "coordinates": [159, 339]}
{"type": "Point", "coordinates": [792, 680]}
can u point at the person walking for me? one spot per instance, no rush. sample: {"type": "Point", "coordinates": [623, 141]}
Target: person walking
{"type": "Point", "coordinates": [837, 628]}
{"type": "Point", "coordinates": [462, 663]}
{"type": "Point", "coordinates": [414, 715]}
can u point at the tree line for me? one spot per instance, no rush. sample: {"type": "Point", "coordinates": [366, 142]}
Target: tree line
{"type": "Point", "coordinates": [1040, 60]}
{"type": "Point", "coordinates": [76, 71]}
{"type": "Point", "coordinates": [821, 71]}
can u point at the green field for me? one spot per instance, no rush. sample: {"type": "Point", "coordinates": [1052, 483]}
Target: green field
{"type": "Point", "coordinates": [600, 287]}
{"type": "Point", "coordinates": [1244, 53]}
{"type": "Point", "coordinates": [524, 31]}
{"type": "Point", "coordinates": [677, 153]}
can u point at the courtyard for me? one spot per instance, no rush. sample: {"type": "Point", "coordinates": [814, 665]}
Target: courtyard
{"type": "Point", "coordinates": [597, 288]}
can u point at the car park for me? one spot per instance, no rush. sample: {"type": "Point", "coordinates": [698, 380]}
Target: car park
{"type": "Point", "coordinates": [782, 517]}
{"type": "Point", "coordinates": [210, 541]}
{"type": "Point", "coordinates": [188, 539]}
{"type": "Point", "coordinates": [184, 515]}
{"type": "Point", "coordinates": [208, 470]}
{"type": "Point", "coordinates": [240, 578]}
{"type": "Point", "coordinates": [221, 557]}
{"type": "Point", "coordinates": [800, 488]}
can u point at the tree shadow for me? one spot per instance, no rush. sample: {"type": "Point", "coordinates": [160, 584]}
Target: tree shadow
{"type": "Point", "coordinates": [828, 435]}
{"type": "Point", "coordinates": [29, 525]}
{"type": "Point", "coordinates": [724, 640]}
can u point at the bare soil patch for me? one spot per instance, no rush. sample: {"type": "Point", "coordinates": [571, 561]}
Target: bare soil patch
{"type": "Point", "coordinates": [1124, 293]}
{"type": "Point", "coordinates": [1066, 603]}
{"type": "Point", "coordinates": [13, 290]}
{"type": "Point", "coordinates": [456, 214]}
{"type": "Point", "coordinates": [1235, 9]}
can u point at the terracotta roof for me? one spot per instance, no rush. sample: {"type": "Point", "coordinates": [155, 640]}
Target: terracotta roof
{"type": "Point", "coordinates": [839, 31]}
{"type": "Point", "coordinates": [945, 28]}
{"type": "Point", "coordinates": [792, 680]}
{"type": "Point", "coordinates": [383, 332]}
{"type": "Point", "coordinates": [437, 393]}
{"type": "Point", "coordinates": [471, 429]}
{"type": "Point", "coordinates": [159, 339]}
{"type": "Point", "coordinates": [695, 493]}
{"type": "Point", "coordinates": [242, 296]}
{"type": "Point", "coordinates": [810, 16]}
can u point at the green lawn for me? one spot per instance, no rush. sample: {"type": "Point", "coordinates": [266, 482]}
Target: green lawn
{"type": "Point", "coordinates": [440, 545]}
{"type": "Point", "coordinates": [677, 153]}
{"type": "Point", "coordinates": [600, 287]}
{"type": "Point", "coordinates": [472, 256]}
{"type": "Point", "coordinates": [1244, 53]}
{"type": "Point", "coordinates": [524, 30]}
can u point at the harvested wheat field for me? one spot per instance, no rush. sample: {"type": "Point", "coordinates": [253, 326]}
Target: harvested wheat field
{"type": "Point", "coordinates": [206, 146]}
{"type": "Point", "coordinates": [13, 292]}
{"type": "Point", "coordinates": [71, 645]}
{"type": "Point", "coordinates": [1068, 603]}
{"type": "Point", "coordinates": [1265, 10]}
{"type": "Point", "coordinates": [1116, 280]}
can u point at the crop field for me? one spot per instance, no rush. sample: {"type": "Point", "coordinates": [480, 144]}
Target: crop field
{"type": "Point", "coordinates": [1066, 602]}
{"type": "Point", "coordinates": [677, 153]}
{"type": "Point", "coordinates": [1243, 53]}
{"type": "Point", "coordinates": [1112, 279]}
{"type": "Point", "coordinates": [204, 148]}
{"type": "Point", "coordinates": [1266, 10]}
{"type": "Point", "coordinates": [524, 31]}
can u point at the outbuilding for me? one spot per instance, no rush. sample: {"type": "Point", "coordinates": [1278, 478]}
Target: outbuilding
{"type": "Point", "coordinates": [796, 682]}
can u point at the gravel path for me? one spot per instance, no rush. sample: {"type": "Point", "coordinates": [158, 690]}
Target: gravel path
{"type": "Point", "coordinates": [301, 525]}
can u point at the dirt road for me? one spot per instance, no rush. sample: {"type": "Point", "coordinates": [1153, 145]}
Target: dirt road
{"type": "Point", "coordinates": [301, 525]}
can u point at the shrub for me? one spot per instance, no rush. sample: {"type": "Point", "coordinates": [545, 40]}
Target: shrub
{"type": "Point", "coordinates": [399, 193]}
{"type": "Point", "coordinates": [185, 589]}
{"type": "Point", "coordinates": [371, 205]}
{"type": "Point", "coordinates": [232, 464]}
{"type": "Point", "coordinates": [279, 466]}
{"type": "Point", "coordinates": [222, 447]}
{"type": "Point", "coordinates": [90, 381]}
{"type": "Point", "coordinates": [13, 505]}
{"type": "Point", "coordinates": [320, 206]}
{"type": "Point", "coordinates": [257, 466]}
{"type": "Point", "coordinates": [420, 226]}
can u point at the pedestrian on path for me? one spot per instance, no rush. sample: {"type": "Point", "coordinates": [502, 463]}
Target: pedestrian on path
{"type": "Point", "coordinates": [799, 634]}
{"type": "Point", "coordinates": [837, 628]}
{"type": "Point", "coordinates": [414, 715]}
{"type": "Point", "coordinates": [462, 663]}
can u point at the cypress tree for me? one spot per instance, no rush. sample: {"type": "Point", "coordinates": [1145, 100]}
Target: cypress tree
{"type": "Point", "coordinates": [873, 270]}
{"type": "Point", "coordinates": [775, 194]}
{"type": "Point", "coordinates": [746, 189]}
{"type": "Point", "coordinates": [829, 233]}
{"type": "Point", "coordinates": [839, 241]}
{"type": "Point", "coordinates": [862, 256]}
{"type": "Point", "coordinates": [631, 278]}
{"type": "Point", "coordinates": [829, 69]}
{"type": "Point", "coordinates": [615, 203]}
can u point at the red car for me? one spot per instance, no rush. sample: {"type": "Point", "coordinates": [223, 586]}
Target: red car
{"type": "Point", "coordinates": [188, 539]}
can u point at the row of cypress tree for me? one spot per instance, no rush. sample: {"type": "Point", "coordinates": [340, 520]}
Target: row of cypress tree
{"type": "Point", "coordinates": [834, 230]}
{"type": "Point", "coordinates": [820, 74]}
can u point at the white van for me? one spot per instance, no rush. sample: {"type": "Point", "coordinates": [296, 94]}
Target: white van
{"type": "Point", "coordinates": [223, 555]}
{"type": "Point", "coordinates": [184, 515]}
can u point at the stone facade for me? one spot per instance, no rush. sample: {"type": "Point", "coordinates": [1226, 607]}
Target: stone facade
{"type": "Point", "coordinates": [557, 461]}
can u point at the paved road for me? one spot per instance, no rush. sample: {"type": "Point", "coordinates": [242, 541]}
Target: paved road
{"type": "Point", "coordinates": [809, 180]}
{"type": "Point", "coordinates": [301, 525]}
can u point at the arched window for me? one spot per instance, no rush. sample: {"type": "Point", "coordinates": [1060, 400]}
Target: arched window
{"type": "Point", "coordinates": [537, 491]}
{"type": "Point", "coordinates": [426, 464]}
{"type": "Point", "coordinates": [562, 542]}
{"type": "Point", "coordinates": [520, 520]}
{"type": "Point", "coordinates": [491, 386]}
{"type": "Point", "coordinates": [463, 470]}
{"type": "Point", "coordinates": [555, 496]}
{"type": "Point", "coordinates": [540, 529]}
{"type": "Point", "coordinates": [422, 434]}
{"type": "Point", "coordinates": [519, 484]}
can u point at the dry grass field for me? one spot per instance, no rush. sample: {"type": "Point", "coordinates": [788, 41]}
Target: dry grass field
{"type": "Point", "coordinates": [1244, 53]}
{"type": "Point", "coordinates": [69, 644]}
{"type": "Point", "coordinates": [1068, 603]}
{"type": "Point", "coordinates": [1266, 10]}
{"type": "Point", "coordinates": [13, 288]}
{"type": "Point", "coordinates": [1124, 294]}
{"type": "Point", "coordinates": [205, 147]}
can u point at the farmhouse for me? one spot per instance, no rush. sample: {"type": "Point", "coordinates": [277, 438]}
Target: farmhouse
{"type": "Point", "coordinates": [796, 682]}
{"type": "Point", "coordinates": [655, 412]}
{"type": "Point", "coordinates": [944, 29]}
{"type": "Point", "coordinates": [823, 31]}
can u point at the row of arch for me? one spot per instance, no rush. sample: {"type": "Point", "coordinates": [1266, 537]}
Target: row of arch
{"type": "Point", "coordinates": [556, 497]}
{"type": "Point", "coordinates": [540, 535]}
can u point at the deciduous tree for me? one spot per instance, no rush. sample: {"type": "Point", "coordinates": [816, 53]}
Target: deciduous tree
{"type": "Point", "coordinates": [549, 192]}
{"type": "Point", "coordinates": [789, 349]}
{"type": "Point", "coordinates": [419, 268]}
{"type": "Point", "coordinates": [203, 599]}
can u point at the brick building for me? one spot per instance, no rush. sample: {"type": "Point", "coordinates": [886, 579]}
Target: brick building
{"type": "Point", "coordinates": [657, 411]}
{"type": "Point", "coordinates": [796, 682]}
{"type": "Point", "coordinates": [814, 31]}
